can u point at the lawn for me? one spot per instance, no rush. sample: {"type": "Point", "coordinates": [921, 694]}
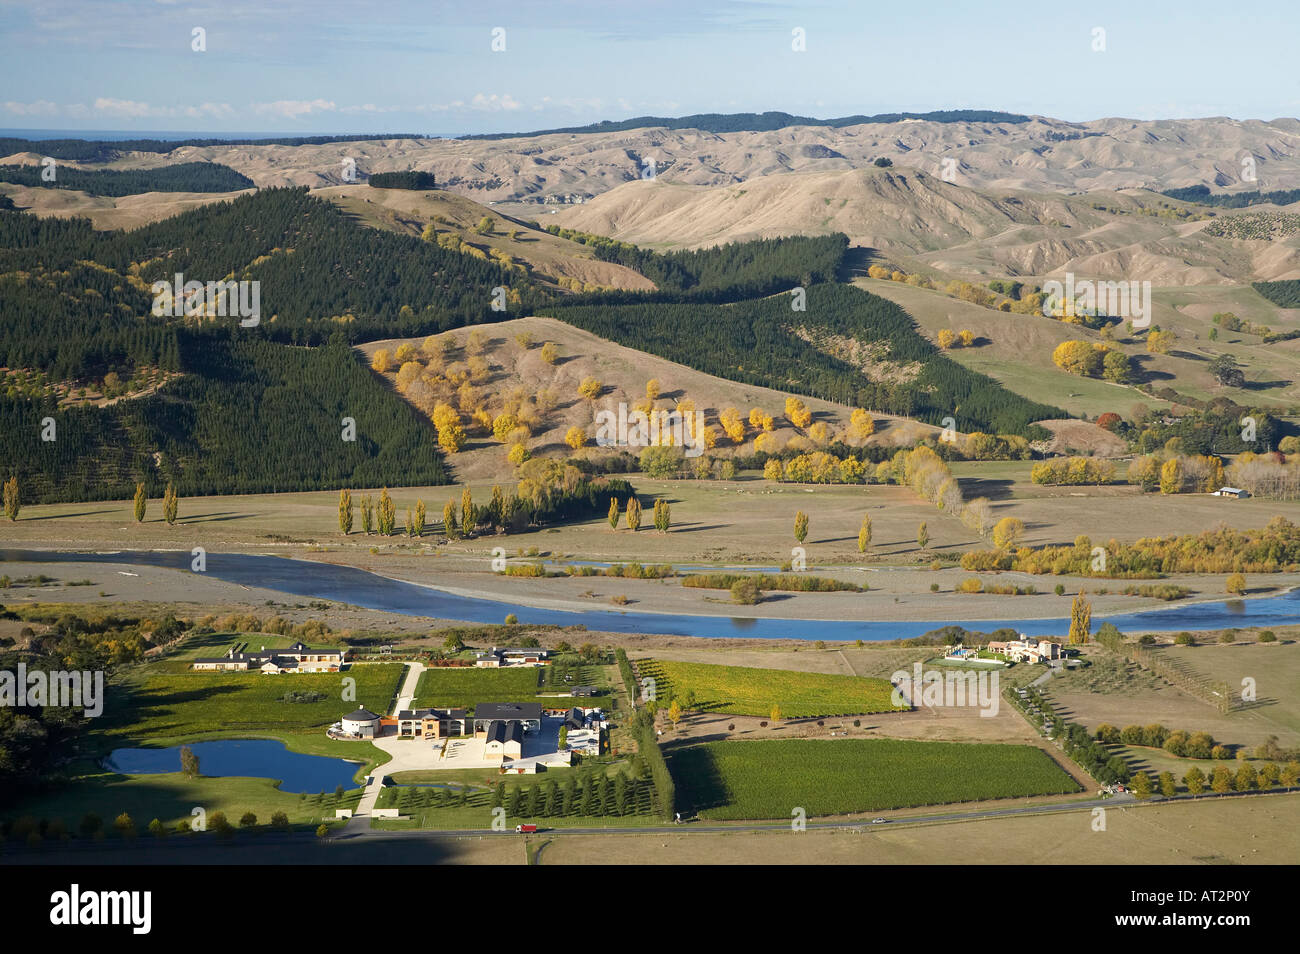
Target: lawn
{"type": "Point", "coordinates": [161, 708]}
{"type": "Point", "coordinates": [769, 779]}
{"type": "Point", "coordinates": [172, 797]}
{"type": "Point", "coordinates": [743, 691]}
{"type": "Point", "coordinates": [463, 687]}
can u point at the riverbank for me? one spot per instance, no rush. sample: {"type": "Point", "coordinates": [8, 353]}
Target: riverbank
{"type": "Point", "coordinates": [421, 586]}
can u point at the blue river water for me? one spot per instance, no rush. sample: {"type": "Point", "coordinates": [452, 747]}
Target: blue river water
{"type": "Point", "coordinates": [243, 758]}
{"type": "Point", "coordinates": [369, 590]}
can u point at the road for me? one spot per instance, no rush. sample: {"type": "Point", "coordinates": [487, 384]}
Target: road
{"type": "Point", "coordinates": [1114, 801]}
{"type": "Point", "coordinates": [359, 823]}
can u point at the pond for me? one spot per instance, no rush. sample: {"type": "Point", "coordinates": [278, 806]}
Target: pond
{"type": "Point", "coordinates": [369, 590]}
{"type": "Point", "coordinates": [243, 758]}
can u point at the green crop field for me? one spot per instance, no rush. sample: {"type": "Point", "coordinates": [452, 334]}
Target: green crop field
{"type": "Point", "coordinates": [743, 691]}
{"type": "Point", "coordinates": [185, 705]}
{"type": "Point", "coordinates": [171, 798]}
{"type": "Point", "coordinates": [769, 779]}
{"type": "Point", "coordinates": [465, 687]}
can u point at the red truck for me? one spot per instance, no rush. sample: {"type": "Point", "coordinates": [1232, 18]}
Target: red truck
{"type": "Point", "coordinates": [525, 829]}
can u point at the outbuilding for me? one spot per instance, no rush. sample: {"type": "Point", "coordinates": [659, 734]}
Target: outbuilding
{"type": "Point", "coordinates": [362, 723]}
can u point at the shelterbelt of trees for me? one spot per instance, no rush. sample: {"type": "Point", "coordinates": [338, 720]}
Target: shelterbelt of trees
{"type": "Point", "coordinates": [757, 342]}
{"type": "Point", "coordinates": [182, 177]}
{"type": "Point", "coordinates": [1272, 549]}
{"type": "Point", "coordinates": [1284, 294]}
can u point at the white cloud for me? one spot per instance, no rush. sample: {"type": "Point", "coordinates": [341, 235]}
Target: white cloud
{"type": "Point", "coordinates": [39, 108]}
{"type": "Point", "coordinates": [124, 107]}
{"type": "Point", "coordinates": [370, 108]}
{"type": "Point", "coordinates": [134, 109]}
{"type": "Point", "coordinates": [294, 108]}
{"type": "Point", "coordinates": [494, 103]}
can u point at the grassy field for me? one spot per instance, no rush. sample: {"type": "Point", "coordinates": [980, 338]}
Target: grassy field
{"type": "Point", "coordinates": [1123, 694]}
{"type": "Point", "coordinates": [744, 691]}
{"type": "Point", "coordinates": [1018, 352]}
{"type": "Point", "coordinates": [172, 797]}
{"type": "Point", "coordinates": [752, 780]}
{"type": "Point", "coordinates": [159, 709]}
{"type": "Point", "coordinates": [465, 687]}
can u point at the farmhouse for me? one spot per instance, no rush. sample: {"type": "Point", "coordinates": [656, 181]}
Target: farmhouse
{"type": "Point", "coordinates": [495, 658]}
{"type": "Point", "coordinates": [1236, 492]}
{"type": "Point", "coordinates": [296, 658]}
{"type": "Point", "coordinates": [432, 723]}
{"type": "Point", "coordinates": [1026, 650]}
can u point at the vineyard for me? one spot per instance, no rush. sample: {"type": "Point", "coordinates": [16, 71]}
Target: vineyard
{"type": "Point", "coordinates": [745, 691]}
{"type": "Point", "coordinates": [463, 687]}
{"type": "Point", "coordinates": [750, 780]}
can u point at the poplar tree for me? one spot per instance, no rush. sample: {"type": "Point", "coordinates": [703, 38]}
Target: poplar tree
{"type": "Point", "coordinates": [171, 504]}
{"type": "Point", "coordinates": [11, 497]}
{"type": "Point", "coordinates": [420, 513]}
{"type": "Point", "coordinates": [345, 511]}
{"type": "Point", "coordinates": [614, 512]}
{"type": "Point", "coordinates": [387, 514]}
{"type": "Point", "coordinates": [864, 535]}
{"type": "Point", "coordinates": [800, 526]}
{"type": "Point", "coordinates": [468, 512]}
{"type": "Point", "coordinates": [633, 514]}
{"type": "Point", "coordinates": [663, 516]}
{"type": "Point", "coordinates": [140, 502]}
{"type": "Point", "coordinates": [1080, 620]}
{"type": "Point", "coordinates": [449, 520]}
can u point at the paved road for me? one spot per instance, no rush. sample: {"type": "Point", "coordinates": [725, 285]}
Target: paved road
{"type": "Point", "coordinates": [359, 823]}
{"type": "Point", "coordinates": [1115, 801]}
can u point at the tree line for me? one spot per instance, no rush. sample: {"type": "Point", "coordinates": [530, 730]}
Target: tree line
{"type": "Point", "coordinates": [752, 342]}
{"type": "Point", "coordinates": [181, 177]}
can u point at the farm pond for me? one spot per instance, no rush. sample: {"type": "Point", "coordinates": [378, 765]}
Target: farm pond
{"type": "Point", "coordinates": [243, 758]}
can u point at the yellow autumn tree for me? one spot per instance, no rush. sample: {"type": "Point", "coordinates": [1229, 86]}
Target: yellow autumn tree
{"type": "Point", "coordinates": [733, 425]}
{"type": "Point", "coordinates": [861, 425]}
{"type": "Point", "coordinates": [797, 412]}
{"type": "Point", "coordinates": [590, 388]}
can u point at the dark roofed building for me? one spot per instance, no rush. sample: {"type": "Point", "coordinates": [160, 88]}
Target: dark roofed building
{"type": "Point", "coordinates": [362, 723]}
{"type": "Point", "coordinates": [529, 713]}
{"type": "Point", "coordinates": [296, 658]}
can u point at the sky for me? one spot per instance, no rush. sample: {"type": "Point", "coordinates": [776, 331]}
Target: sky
{"type": "Point", "coordinates": [306, 67]}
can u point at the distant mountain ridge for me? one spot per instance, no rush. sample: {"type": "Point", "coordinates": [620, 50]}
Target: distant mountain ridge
{"type": "Point", "coordinates": [765, 122]}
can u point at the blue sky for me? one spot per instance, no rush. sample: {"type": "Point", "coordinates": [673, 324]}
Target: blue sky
{"type": "Point", "coordinates": [328, 66]}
